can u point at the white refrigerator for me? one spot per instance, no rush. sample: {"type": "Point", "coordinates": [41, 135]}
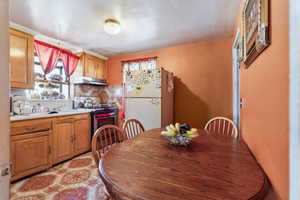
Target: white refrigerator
{"type": "Point", "coordinates": [149, 97]}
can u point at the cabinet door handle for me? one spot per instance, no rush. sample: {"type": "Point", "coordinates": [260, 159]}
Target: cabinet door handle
{"type": "Point", "coordinates": [68, 118]}
{"type": "Point", "coordinates": [49, 150]}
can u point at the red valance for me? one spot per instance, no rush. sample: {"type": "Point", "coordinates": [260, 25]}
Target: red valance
{"type": "Point", "coordinates": [49, 55]}
{"type": "Point", "coordinates": [70, 62]}
{"type": "Point", "coordinates": [139, 60]}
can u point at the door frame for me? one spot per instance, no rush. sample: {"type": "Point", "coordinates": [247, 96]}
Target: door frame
{"type": "Point", "coordinates": [236, 79]}
{"type": "Point", "coordinates": [294, 99]}
{"type": "Point", "coordinates": [4, 100]}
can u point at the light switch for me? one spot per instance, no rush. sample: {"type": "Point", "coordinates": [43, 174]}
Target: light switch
{"type": "Point", "coordinates": [242, 103]}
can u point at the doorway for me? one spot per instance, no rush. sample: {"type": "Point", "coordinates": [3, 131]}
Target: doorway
{"type": "Point", "coordinates": [236, 59]}
{"type": "Point", "coordinates": [4, 101]}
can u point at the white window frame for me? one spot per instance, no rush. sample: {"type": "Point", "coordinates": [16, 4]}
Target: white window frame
{"type": "Point", "coordinates": [126, 67]}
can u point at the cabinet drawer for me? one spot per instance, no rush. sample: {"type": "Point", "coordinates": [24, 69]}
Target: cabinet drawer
{"type": "Point", "coordinates": [63, 120]}
{"type": "Point", "coordinates": [81, 117]}
{"type": "Point", "coordinates": [71, 118]}
{"type": "Point", "coordinates": [30, 126]}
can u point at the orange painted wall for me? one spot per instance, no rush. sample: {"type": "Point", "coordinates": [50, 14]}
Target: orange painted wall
{"type": "Point", "coordinates": [203, 84]}
{"type": "Point", "coordinates": [265, 86]}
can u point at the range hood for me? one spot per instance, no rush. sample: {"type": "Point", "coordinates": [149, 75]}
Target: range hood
{"type": "Point", "coordinates": [92, 82]}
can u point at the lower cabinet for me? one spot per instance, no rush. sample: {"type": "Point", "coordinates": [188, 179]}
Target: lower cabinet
{"type": "Point", "coordinates": [30, 153]}
{"type": "Point", "coordinates": [63, 139]}
{"type": "Point", "coordinates": [71, 136]}
{"type": "Point", "coordinates": [82, 133]}
{"type": "Point", "coordinates": [38, 144]}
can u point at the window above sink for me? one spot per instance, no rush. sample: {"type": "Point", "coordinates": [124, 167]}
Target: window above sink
{"type": "Point", "coordinates": [54, 85]}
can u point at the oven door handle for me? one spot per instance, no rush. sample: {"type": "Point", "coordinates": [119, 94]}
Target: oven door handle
{"type": "Point", "coordinates": [107, 117]}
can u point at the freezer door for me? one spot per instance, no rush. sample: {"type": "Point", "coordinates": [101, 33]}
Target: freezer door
{"type": "Point", "coordinates": [143, 83]}
{"type": "Point", "coordinates": [146, 110]}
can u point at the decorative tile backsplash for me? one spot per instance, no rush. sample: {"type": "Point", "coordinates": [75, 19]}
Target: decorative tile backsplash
{"type": "Point", "coordinates": [107, 94]}
{"type": "Point", "coordinates": [89, 90]}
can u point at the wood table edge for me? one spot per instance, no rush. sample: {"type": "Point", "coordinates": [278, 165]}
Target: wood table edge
{"type": "Point", "coordinates": [113, 190]}
{"type": "Point", "coordinates": [117, 193]}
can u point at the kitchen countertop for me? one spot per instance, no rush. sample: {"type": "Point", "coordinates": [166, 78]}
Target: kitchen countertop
{"type": "Point", "coordinates": [46, 115]}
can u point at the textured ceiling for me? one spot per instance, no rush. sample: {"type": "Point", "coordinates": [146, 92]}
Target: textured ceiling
{"type": "Point", "coordinates": [146, 24]}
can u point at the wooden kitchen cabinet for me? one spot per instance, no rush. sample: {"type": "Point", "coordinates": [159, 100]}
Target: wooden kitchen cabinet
{"type": "Point", "coordinates": [82, 133]}
{"type": "Point", "coordinates": [21, 59]}
{"type": "Point", "coordinates": [30, 153]}
{"type": "Point", "coordinates": [100, 70]}
{"type": "Point", "coordinates": [63, 139]}
{"type": "Point", "coordinates": [38, 144]}
{"type": "Point", "coordinates": [31, 147]}
{"type": "Point", "coordinates": [90, 66]}
{"type": "Point", "coordinates": [71, 137]}
{"type": "Point", "coordinates": [93, 67]}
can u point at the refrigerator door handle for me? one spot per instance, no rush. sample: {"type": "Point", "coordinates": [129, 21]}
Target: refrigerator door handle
{"type": "Point", "coordinates": [151, 100]}
{"type": "Point", "coordinates": [154, 101]}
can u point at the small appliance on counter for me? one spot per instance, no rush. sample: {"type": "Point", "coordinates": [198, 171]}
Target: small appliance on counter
{"type": "Point", "coordinates": [18, 107]}
{"type": "Point", "coordinates": [88, 103]}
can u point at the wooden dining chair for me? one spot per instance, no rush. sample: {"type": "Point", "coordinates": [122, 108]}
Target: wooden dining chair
{"type": "Point", "coordinates": [222, 125]}
{"type": "Point", "coordinates": [104, 138]}
{"type": "Point", "coordinates": [132, 128]}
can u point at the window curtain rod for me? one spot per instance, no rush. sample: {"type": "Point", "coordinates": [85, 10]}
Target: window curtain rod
{"type": "Point", "coordinates": [140, 60]}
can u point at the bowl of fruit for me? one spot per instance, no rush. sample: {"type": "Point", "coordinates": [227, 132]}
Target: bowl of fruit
{"type": "Point", "coordinates": [180, 134]}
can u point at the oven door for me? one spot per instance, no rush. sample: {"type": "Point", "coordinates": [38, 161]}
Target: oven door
{"type": "Point", "coordinates": [104, 119]}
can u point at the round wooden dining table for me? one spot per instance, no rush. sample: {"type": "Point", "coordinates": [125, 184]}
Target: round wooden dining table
{"type": "Point", "coordinates": [211, 167]}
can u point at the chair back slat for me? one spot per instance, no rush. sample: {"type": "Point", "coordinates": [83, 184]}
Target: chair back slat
{"type": "Point", "coordinates": [223, 126]}
{"type": "Point", "coordinates": [132, 128]}
{"type": "Point", "coordinates": [104, 138]}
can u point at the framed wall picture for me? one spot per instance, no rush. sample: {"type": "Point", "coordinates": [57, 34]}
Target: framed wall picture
{"type": "Point", "coordinates": [255, 29]}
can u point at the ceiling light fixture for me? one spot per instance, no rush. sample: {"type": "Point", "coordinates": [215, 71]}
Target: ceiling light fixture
{"type": "Point", "coordinates": [112, 26]}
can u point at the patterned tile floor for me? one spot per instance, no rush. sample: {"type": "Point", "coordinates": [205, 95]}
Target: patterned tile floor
{"type": "Point", "coordinates": [76, 179]}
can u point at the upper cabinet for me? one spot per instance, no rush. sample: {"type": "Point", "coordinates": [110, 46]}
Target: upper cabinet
{"type": "Point", "coordinates": [93, 67]}
{"type": "Point", "coordinates": [21, 59]}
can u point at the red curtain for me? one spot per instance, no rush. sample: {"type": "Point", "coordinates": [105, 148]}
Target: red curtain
{"type": "Point", "coordinates": [47, 54]}
{"type": "Point", "coordinates": [70, 62]}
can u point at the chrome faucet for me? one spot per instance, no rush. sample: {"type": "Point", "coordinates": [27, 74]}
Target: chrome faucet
{"type": "Point", "coordinates": [34, 109]}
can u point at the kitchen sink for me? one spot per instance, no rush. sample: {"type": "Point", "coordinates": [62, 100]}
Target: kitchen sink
{"type": "Point", "coordinates": [53, 112]}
